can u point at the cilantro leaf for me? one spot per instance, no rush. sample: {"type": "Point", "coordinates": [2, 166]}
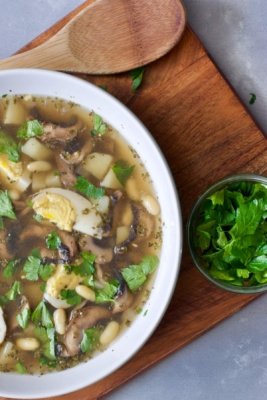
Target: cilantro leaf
{"type": "Point", "coordinates": [42, 316]}
{"type": "Point", "coordinates": [47, 339]}
{"type": "Point", "coordinates": [10, 268]}
{"type": "Point", "coordinates": [108, 292]}
{"type": "Point", "coordinates": [9, 147]}
{"type": "Point", "coordinates": [6, 207]}
{"type": "Point", "coordinates": [53, 241]}
{"type": "Point", "coordinates": [122, 171]}
{"type": "Point", "coordinates": [253, 98]}
{"type": "Point", "coordinates": [30, 129]}
{"type": "Point", "coordinates": [24, 317]}
{"type": "Point", "coordinates": [32, 267]}
{"type": "Point", "coordinates": [49, 363]}
{"type": "Point", "coordinates": [70, 296]}
{"type": "Point", "coordinates": [87, 266]}
{"type": "Point", "coordinates": [83, 186]}
{"type": "Point", "coordinates": [136, 275]}
{"type": "Point", "coordinates": [90, 340]}
{"type": "Point", "coordinates": [46, 270]}
{"type": "Point", "coordinates": [20, 368]}
{"type": "Point", "coordinates": [137, 77]}
{"type": "Point", "coordinates": [14, 291]}
{"type": "Point", "coordinates": [99, 127]}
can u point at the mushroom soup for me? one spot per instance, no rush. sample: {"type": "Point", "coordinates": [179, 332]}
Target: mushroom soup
{"type": "Point", "coordinates": [80, 234]}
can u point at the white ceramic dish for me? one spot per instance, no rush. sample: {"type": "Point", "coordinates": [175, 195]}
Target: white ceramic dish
{"type": "Point", "coordinates": [47, 83]}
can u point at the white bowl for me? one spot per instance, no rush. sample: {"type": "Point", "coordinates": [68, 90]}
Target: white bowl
{"type": "Point", "coordinates": [47, 83]}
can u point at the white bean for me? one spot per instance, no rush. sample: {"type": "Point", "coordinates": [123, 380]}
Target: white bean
{"type": "Point", "coordinates": [14, 194]}
{"type": "Point", "coordinates": [150, 204]}
{"type": "Point", "coordinates": [27, 344]}
{"type": "Point", "coordinates": [39, 166]}
{"type": "Point", "coordinates": [109, 333]}
{"type": "Point", "coordinates": [52, 180]}
{"type": "Point", "coordinates": [60, 320]}
{"type": "Point", "coordinates": [85, 292]}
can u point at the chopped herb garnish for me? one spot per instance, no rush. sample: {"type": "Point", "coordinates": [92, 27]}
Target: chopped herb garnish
{"type": "Point", "coordinates": [20, 368]}
{"type": "Point", "coordinates": [90, 340]}
{"type": "Point", "coordinates": [53, 241]}
{"type": "Point", "coordinates": [136, 275]}
{"type": "Point", "coordinates": [41, 316]}
{"type": "Point", "coordinates": [230, 234]}
{"type": "Point", "coordinates": [46, 270]}
{"type": "Point", "coordinates": [24, 317]}
{"type": "Point", "coordinates": [6, 207]}
{"type": "Point", "coordinates": [30, 129]}
{"type": "Point", "coordinates": [49, 363]}
{"type": "Point", "coordinates": [71, 296]}
{"type": "Point", "coordinates": [253, 98]}
{"type": "Point", "coordinates": [86, 267]}
{"type": "Point", "coordinates": [108, 292]}
{"type": "Point", "coordinates": [37, 217]}
{"type": "Point", "coordinates": [32, 267]}
{"type": "Point", "coordinates": [47, 338]}
{"type": "Point", "coordinates": [83, 186]}
{"type": "Point", "coordinates": [137, 77]}
{"type": "Point", "coordinates": [14, 291]}
{"type": "Point", "coordinates": [10, 268]}
{"type": "Point", "coordinates": [9, 147]}
{"type": "Point", "coordinates": [122, 171]}
{"type": "Point", "coordinates": [99, 127]}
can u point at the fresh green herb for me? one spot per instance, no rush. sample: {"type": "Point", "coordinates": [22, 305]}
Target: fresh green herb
{"type": "Point", "coordinates": [14, 291]}
{"type": "Point", "coordinates": [137, 77]}
{"type": "Point", "coordinates": [70, 296]}
{"type": "Point", "coordinates": [42, 316]}
{"type": "Point", "coordinates": [30, 129]}
{"type": "Point", "coordinates": [46, 270]}
{"type": "Point", "coordinates": [108, 292]}
{"type": "Point", "coordinates": [32, 267]}
{"type": "Point", "coordinates": [1, 223]}
{"type": "Point", "coordinates": [37, 217]}
{"type": "Point", "coordinates": [88, 189]}
{"type": "Point", "coordinates": [24, 317]}
{"type": "Point", "coordinates": [136, 275]}
{"type": "Point", "coordinates": [90, 340]}
{"type": "Point", "coordinates": [122, 171]}
{"type": "Point", "coordinates": [49, 363]}
{"type": "Point", "coordinates": [3, 300]}
{"type": "Point", "coordinates": [253, 98]}
{"type": "Point", "coordinates": [99, 127]}
{"type": "Point", "coordinates": [230, 234]}
{"type": "Point", "coordinates": [86, 267]}
{"type": "Point", "coordinates": [47, 339]}
{"type": "Point", "coordinates": [9, 147]}
{"type": "Point", "coordinates": [10, 268]}
{"type": "Point", "coordinates": [6, 207]}
{"type": "Point", "coordinates": [20, 368]}
{"type": "Point", "coordinates": [53, 241]}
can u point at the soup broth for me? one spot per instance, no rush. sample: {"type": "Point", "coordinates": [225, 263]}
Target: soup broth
{"type": "Point", "coordinates": [80, 234]}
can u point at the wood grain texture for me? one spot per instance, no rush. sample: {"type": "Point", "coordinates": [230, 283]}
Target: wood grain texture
{"type": "Point", "coordinates": [108, 37]}
{"type": "Point", "coordinates": [205, 134]}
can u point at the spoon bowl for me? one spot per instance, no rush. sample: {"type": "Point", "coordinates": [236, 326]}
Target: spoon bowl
{"type": "Point", "coordinates": [108, 37]}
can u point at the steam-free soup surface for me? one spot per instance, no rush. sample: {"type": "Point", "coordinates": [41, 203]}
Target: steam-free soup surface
{"type": "Point", "coordinates": [80, 234]}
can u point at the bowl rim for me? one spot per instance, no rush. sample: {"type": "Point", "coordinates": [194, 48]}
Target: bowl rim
{"type": "Point", "coordinates": [176, 226]}
{"type": "Point", "coordinates": [249, 177]}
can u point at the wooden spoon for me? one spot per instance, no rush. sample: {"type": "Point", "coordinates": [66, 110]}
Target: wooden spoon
{"type": "Point", "coordinates": [109, 36]}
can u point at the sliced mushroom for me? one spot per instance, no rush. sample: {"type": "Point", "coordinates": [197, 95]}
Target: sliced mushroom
{"type": "Point", "coordinates": [100, 248]}
{"type": "Point", "coordinates": [7, 243]}
{"type": "Point", "coordinates": [67, 174]}
{"type": "Point", "coordinates": [68, 248]}
{"type": "Point", "coordinates": [81, 150]}
{"type": "Point", "coordinates": [2, 326]}
{"type": "Point", "coordinates": [123, 300]}
{"type": "Point", "coordinates": [140, 230]}
{"type": "Point", "coordinates": [56, 135]}
{"type": "Point", "coordinates": [85, 318]}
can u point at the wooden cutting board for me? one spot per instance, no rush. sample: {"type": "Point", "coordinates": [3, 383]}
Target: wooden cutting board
{"type": "Point", "coordinates": [205, 134]}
